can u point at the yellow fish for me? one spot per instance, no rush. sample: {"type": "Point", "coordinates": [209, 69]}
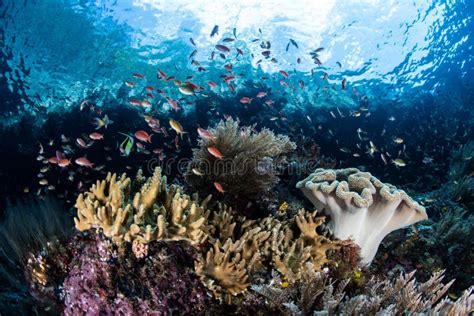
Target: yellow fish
{"type": "Point", "coordinates": [178, 128]}
{"type": "Point", "coordinates": [283, 207]}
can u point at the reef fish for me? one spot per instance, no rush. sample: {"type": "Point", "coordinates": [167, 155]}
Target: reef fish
{"type": "Point", "coordinates": [215, 30]}
{"type": "Point", "coordinates": [215, 152]}
{"type": "Point", "coordinates": [99, 123]}
{"type": "Point", "coordinates": [177, 127]}
{"type": "Point", "coordinates": [143, 136]}
{"type": "Point", "coordinates": [84, 162]}
{"type": "Point", "coordinates": [222, 48]}
{"type": "Point", "coordinates": [63, 163]}
{"type": "Point", "coordinates": [245, 100]}
{"type": "Point", "coordinates": [186, 89]}
{"type": "Point", "coordinates": [284, 73]}
{"type": "Point", "coordinates": [219, 187]}
{"type": "Point", "coordinates": [96, 136]}
{"type": "Point", "coordinates": [127, 145]}
{"type": "Point", "coordinates": [205, 134]}
{"type": "Point", "coordinates": [399, 162]}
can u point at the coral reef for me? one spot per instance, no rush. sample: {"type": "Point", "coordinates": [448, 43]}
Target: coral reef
{"type": "Point", "coordinates": [317, 294]}
{"type": "Point", "coordinates": [155, 212]}
{"type": "Point", "coordinates": [261, 246]}
{"type": "Point", "coordinates": [250, 163]}
{"type": "Point", "coordinates": [361, 206]}
{"type": "Point", "coordinates": [443, 242]}
{"type": "Point", "coordinates": [144, 247]}
{"type": "Point", "coordinates": [461, 175]}
{"type": "Point", "coordinates": [232, 249]}
{"type": "Point", "coordinates": [101, 281]}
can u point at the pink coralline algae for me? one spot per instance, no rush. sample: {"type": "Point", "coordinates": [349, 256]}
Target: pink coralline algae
{"type": "Point", "coordinates": [104, 282]}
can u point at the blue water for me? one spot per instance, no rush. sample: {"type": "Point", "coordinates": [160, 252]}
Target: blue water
{"type": "Point", "coordinates": [55, 53]}
{"type": "Point", "coordinates": [409, 64]}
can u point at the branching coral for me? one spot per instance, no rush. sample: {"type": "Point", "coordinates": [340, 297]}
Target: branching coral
{"type": "Point", "coordinates": [155, 212]}
{"type": "Point", "coordinates": [258, 246]}
{"type": "Point", "coordinates": [361, 206]}
{"type": "Point", "coordinates": [316, 294]}
{"type": "Point", "coordinates": [250, 162]}
{"type": "Point", "coordinates": [236, 248]}
{"type": "Point", "coordinates": [231, 251]}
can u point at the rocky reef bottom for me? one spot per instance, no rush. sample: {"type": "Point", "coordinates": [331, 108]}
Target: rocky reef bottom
{"type": "Point", "coordinates": [142, 246]}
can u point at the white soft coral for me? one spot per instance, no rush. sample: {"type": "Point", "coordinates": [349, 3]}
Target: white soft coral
{"type": "Point", "coordinates": [361, 207]}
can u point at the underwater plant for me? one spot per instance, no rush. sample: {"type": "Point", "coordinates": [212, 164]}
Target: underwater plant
{"type": "Point", "coordinates": [361, 206]}
{"type": "Point", "coordinates": [248, 164]}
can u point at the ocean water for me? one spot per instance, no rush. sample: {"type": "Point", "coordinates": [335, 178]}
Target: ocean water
{"type": "Point", "coordinates": [382, 86]}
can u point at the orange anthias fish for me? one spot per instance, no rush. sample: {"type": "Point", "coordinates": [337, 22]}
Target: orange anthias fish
{"type": "Point", "coordinates": [96, 136]}
{"type": "Point", "coordinates": [215, 152]}
{"type": "Point", "coordinates": [143, 136]}
{"type": "Point", "coordinates": [63, 163]}
{"type": "Point", "coordinates": [261, 94]}
{"type": "Point", "coordinates": [205, 134]}
{"type": "Point", "coordinates": [219, 187]}
{"type": "Point", "coordinates": [84, 162]}
{"type": "Point", "coordinates": [173, 104]}
{"type": "Point", "coordinates": [246, 100]}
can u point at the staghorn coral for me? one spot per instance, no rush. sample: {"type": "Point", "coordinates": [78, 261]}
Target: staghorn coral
{"type": "Point", "coordinates": [155, 212]}
{"type": "Point", "coordinates": [251, 161]}
{"type": "Point", "coordinates": [317, 294]}
{"type": "Point", "coordinates": [361, 206]}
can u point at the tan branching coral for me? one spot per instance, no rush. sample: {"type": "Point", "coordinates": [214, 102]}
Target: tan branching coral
{"type": "Point", "coordinates": [236, 248]}
{"type": "Point", "coordinates": [155, 212]}
{"type": "Point", "coordinates": [223, 270]}
{"type": "Point", "coordinates": [290, 254]}
{"type": "Point", "coordinates": [361, 206]}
